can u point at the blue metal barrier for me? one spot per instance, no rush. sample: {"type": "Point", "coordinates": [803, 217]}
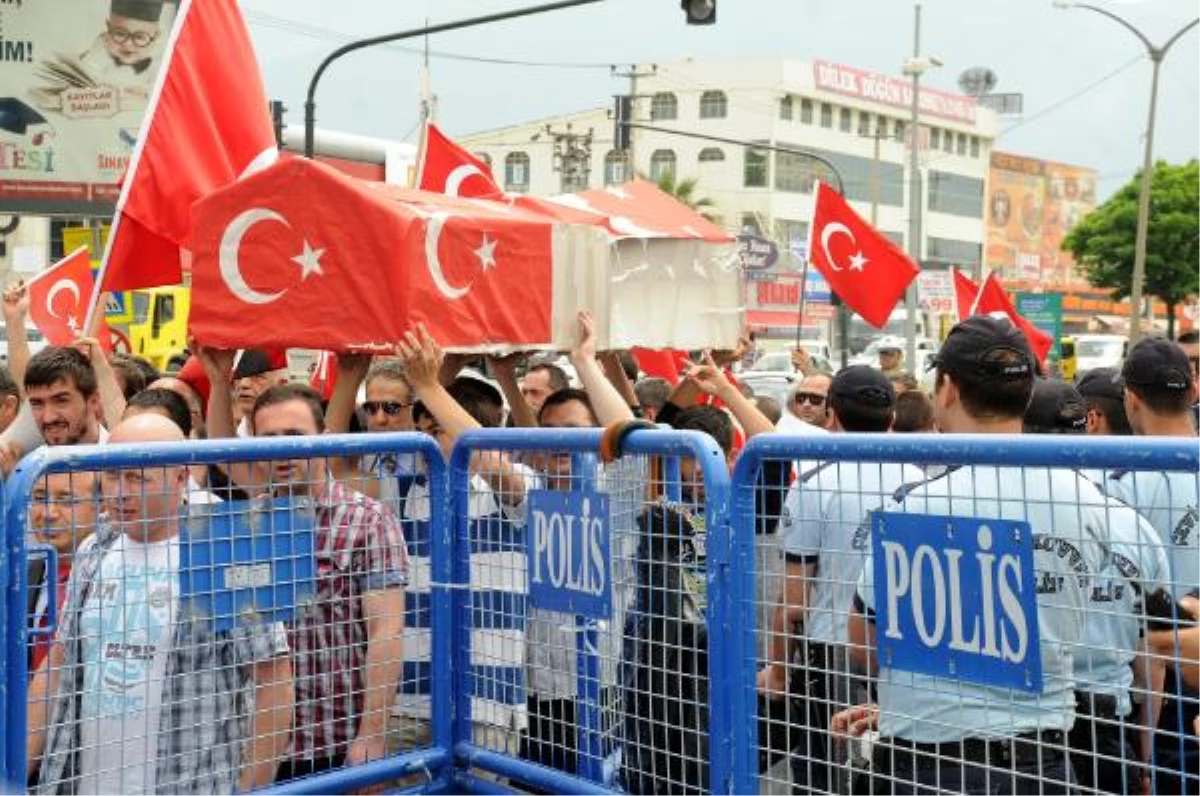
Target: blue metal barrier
{"type": "Point", "coordinates": [1066, 452]}
{"type": "Point", "coordinates": [17, 496]}
{"type": "Point", "coordinates": [719, 575]}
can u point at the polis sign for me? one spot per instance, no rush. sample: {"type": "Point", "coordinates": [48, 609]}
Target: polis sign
{"type": "Point", "coordinates": [956, 598]}
{"type": "Point", "coordinates": [568, 549]}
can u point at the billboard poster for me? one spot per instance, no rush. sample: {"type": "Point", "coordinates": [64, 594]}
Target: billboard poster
{"type": "Point", "coordinates": [75, 79]}
{"type": "Point", "coordinates": [1032, 205]}
{"type": "Point", "coordinates": [1045, 311]}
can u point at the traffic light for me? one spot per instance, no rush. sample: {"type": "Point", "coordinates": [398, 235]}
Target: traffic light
{"type": "Point", "coordinates": [700, 12]}
{"type": "Point", "coordinates": [622, 111]}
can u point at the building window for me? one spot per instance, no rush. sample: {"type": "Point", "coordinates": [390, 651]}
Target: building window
{"type": "Point", "coordinates": [711, 155]}
{"type": "Point", "coordinates": [935, 138]}
{"type": "Point", "coordinates": [785, 108]}
{"type": "Point", "coordinates": [750, 225]}
{"type": "Point", "coordinates": [754, 174]}
{"type": "Point", "coordinates": [864, 125]}
{"type": "Point", "coordinates": [844, 120]}
{"type": "Point", "coordinates": [806, 111]}
{"type": "Point", "coordinates": [955, 194]}
{"type": "Point", "coordinates": [616, 167]}
{"type": "Point", "coordinates": [826, 115]}
{"type": "Point", "coordinates": [961, 146]}
{"type": "Point", "coordinates": [948, 142]}
{"type": "Point", "coordinates": [664, 105]}
{"type": "Point", "coordinates": [881, 126]}
{"type": "Point", "coordinates": [662, 163]}
{"type": "Point", "coordinates": [795, 173]}
{"type": "Point", "coordinates": [974, 146]}
{"type": "Point", "coordinates": [899, 130]}
{"type": "Point", "coordinates": [962, 253]}
{"type": "Point", "coordinates": [713, 105]}
{"type": "Point", "coordinates": [516, 172]}
{"type": "Point", "coordinates": [486, 158]}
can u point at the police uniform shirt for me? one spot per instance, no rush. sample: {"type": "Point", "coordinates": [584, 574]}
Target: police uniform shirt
{"type": "Point", "coordinates": [1113, 625]}
{"type": "Point", "coordinates": [822, 524]}
{"type": "Point", "coordinates": [1169, 501]}
{"type": "Point", "coordinates": [1070, 544]}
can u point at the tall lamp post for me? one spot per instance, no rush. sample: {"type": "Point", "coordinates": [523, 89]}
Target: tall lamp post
{"type": "Point", "coordinates": [310, 105]}
{"type": "Point", "coordinates": [1143, 219]}
{"type": "Point", "coordinates": [914, 67]}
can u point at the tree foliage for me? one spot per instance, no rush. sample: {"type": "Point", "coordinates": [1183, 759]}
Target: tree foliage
{"type": "Point", "coordinates": [1103, 242]}
{"type": "Point", "coordinates": [684, 191]}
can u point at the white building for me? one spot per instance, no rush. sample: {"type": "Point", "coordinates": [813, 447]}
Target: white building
{"type": "Point", "coordinates": [854, 118]}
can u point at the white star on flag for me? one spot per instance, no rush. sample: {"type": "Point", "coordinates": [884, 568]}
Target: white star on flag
{"type": "Point", "coordinates": [857, 262]}
{"type": "Point", "coordinates": [73, 323]}
{"type": "Point", "coordinates": [486, 253]}
{"type": "Point", "coordinates": [309, 261]}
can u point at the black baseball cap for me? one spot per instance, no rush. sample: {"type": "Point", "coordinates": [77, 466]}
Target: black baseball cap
{"type": "Point", "coordinates": [257, 361]}
{"type": "Point", "coordinates": [1055, 408]}
{"type": "Point", "coordinates": [1101, 383]}
{"type": "Point", "coordinates": [864, 384]}
{"type": "Point", "coordinates": [1158, 362]}
{"type": "Point", "coordinates": [976, 347]}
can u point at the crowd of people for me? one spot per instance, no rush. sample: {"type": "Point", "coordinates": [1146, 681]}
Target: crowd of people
{"type": "Point", "coordinates": [127, 693]}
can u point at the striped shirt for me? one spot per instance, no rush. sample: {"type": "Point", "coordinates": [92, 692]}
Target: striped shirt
{"type": "Point", "coordinates": [498, 606]}
{"type": "Point", "coordinates": [359, 549]}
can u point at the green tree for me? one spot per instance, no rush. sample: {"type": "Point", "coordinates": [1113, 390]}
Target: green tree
{"type": "Point", "coordinates": [685, 192]}
{"type": "Point", "coordinates": [1103, 242]}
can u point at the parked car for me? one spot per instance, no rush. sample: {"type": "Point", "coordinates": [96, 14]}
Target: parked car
{"type": "Point", "coordinates": [775, 385]}
{"type": "Point", "coordinates": [1099, 351]}
{"type": "Point", "coordinates": [36, 341]}
{"type": "Point", "coordinates": [780, 362]}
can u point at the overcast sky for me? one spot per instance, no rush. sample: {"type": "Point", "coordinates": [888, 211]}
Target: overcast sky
{"type": "Point", "coordinates": [1086, 80]}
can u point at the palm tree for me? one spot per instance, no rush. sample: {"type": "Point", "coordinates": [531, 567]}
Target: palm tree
{"type": "Point", "coordinates": [684, 191]}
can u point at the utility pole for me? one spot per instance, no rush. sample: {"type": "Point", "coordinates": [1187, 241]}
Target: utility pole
{"type": "Point", "coordinates": [633, 73]}
{"type": "Point", "coordinates": [428, 99]}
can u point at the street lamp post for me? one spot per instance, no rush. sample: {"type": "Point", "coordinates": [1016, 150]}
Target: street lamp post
{"type": "Point", "coordinates": [1137, 283]}
{"type": "Point", "coordinates": [914, 67]}
{"type": "Point", "coordinates": [310, 105]}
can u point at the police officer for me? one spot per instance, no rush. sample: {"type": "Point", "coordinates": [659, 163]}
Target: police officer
{"type": "Point", "coordinates": [945, 731]}
{"type": "Point", "coordinates": [1159, 389]}
{"type": "Point", "coordinates": [1104, 391]}
{"type": "Point", "coordinates": [823, 551]}
{"type": "Point", "coordinates": [1107, 752]}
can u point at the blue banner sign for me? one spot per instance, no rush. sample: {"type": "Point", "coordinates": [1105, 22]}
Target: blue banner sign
{"type": "Point", "coordinates": [568, 543]}
{"type": "Point", "coordinates": [247, 562]}
{"type": "Point", "coordinates": [956, 597]}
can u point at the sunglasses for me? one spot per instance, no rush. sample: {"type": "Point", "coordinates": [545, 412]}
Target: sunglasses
{"type": "Point", "coordinates": [389, 408]}
{"type": "Point", "coordinates": [813, 398]}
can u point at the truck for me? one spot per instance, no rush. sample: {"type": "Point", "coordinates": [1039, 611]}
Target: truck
{"type": "Point", "coordinates": [158, 328]}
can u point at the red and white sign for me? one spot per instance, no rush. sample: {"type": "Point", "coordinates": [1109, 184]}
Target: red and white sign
{"type": "Point", "coordinates": [893, 91]}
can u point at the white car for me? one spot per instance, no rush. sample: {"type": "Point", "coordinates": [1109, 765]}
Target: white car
{"type": "Point", "coordinates": [36, 341]}
{"type": "Point", "coordinates": [1099, 351]}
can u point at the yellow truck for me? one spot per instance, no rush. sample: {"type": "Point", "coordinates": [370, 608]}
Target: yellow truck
{"type": "Point", "coordinates": [156, 321]}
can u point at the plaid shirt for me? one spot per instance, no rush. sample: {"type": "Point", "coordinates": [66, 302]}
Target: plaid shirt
{"type": "Point", "coordinates": [360, 549]}
{"type": "Point", "coordinates": [206, 701]}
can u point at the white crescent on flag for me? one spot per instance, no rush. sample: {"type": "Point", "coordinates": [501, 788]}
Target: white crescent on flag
{"type": "Point", "coordinates": [58, 287]}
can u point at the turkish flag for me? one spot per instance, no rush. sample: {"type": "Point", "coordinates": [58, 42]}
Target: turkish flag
{"type": "Point", "coordinates": [324, 375]}
{"type": "Point", "coordinates": [992, 300]}
{"type": "Point", "coordinates": [58, 296]}
{"type": "Point", "coordinates": [321, 260]}
{"type": "Point", "coordinates": [665, 363]}
{"type": "Point", "coordinates": [861, 265]}
{"type": "Point", "coordinates": [207, 125]}
{"type": "Point", "coordinates": [965, 293]}
{"type": "Point", "coordinates": [448, 168]}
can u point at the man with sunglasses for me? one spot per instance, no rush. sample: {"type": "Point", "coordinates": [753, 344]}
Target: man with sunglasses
{"type": "Point", "coordinates": [124, 55]}
{"type": "Point", "coordinates": [808, 402]}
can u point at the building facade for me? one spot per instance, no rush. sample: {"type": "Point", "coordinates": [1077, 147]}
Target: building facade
{"type": "Point", "coordinates": [744, 117]}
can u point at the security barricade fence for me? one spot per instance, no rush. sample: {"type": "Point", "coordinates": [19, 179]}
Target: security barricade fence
{"type": "Point", "coordinates": [161, 636]}
{"type": "Point", "coordinates": [953, 613]}
{"type": "Point", "coordinates": [598, 620]}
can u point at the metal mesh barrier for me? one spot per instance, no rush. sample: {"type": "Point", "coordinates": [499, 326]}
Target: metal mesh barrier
{"type": "Point", "coordinates": [183, 638]}
{"type": "Point", "coordinates": [593, 666]}
{"type": "Point", "coordinates": [981, 614]}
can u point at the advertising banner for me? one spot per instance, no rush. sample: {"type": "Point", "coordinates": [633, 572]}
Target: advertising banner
{"type": "Point", "coordinates": [894, 91]}
{"type": "Point", "coordinates": [1032, 205]}
{"type": "Point", "coordinates": [75, 78]}
{"type": "Point", "coordinates": [1045, 311]}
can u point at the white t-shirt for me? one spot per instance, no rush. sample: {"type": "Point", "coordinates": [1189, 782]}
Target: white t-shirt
{"type": "Point", "coordinates": [126, 626]}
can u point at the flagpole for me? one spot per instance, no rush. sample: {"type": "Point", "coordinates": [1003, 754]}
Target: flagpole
{"type": "Point", "coordinates": [800, 311]}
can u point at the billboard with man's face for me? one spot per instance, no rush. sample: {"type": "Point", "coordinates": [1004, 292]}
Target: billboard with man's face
{"type": "Point", "coordinates": [1032, 205]}
{"type": "Point", "coordinates": [75, 80]}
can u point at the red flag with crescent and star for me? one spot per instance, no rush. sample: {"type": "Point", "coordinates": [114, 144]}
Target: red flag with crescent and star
{"type": "Point", "coordinates": [448, 168]}
{"type": "Point", "coordinates": [207, 125]}
{"type": "Point", "coordinates": [319, 260]}
{"type": "Point", "coordinates": [58, 299]}
{"type": "Point", "coordinates": [861, 265]}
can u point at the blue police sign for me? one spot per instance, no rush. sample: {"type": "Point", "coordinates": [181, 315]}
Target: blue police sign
{"type": "Point", "coordinates": [568, 543]}
{"type": "Point", "coordinates": [956, 597]}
